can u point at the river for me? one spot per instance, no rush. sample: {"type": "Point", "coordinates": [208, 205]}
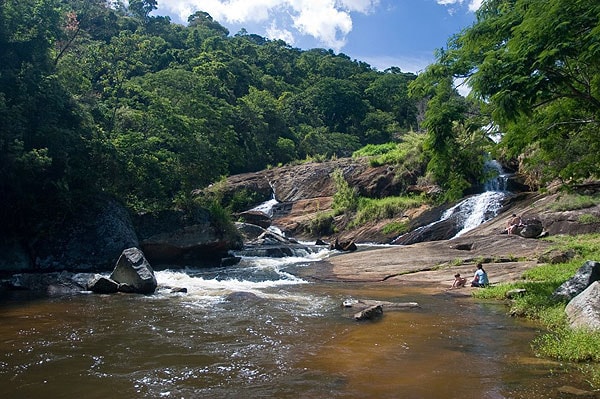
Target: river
{"type": "Point", "coordinates": [284, 337]}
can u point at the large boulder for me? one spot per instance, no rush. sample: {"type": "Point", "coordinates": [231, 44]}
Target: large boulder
{"type": "Point", "coordinates": [134, 271]}
{"type": "Point", "coordinates": [179, 238]}
{"type": "Point", "coordinates": [585, 276]}
{"type": "Point", "coordinates": [583, 311]}
{"type": "Point", "coordinates": [531, 228]}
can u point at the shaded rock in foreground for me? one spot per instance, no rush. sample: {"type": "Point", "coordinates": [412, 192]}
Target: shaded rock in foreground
{"type": "Point", "coordinates": [176, 238]}
{"type": "Point", "coordinates": [55, 283]}
{"type": "Point", "coordinates": [134, 270]}
{"type": "Point", "coordinates": [103, 285]}
{"type": "Point", "coordinates": [91, 242]}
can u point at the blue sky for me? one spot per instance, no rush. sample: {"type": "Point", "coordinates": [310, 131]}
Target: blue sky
{"type": "Point", "coordinates": [383, 33]}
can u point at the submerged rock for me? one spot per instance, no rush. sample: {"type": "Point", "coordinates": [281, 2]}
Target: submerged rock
{"type": "Point", "coordinates": [370, 313]}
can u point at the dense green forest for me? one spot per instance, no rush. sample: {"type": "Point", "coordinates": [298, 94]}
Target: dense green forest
{"type": "Point", "coordinates": [97, 97]}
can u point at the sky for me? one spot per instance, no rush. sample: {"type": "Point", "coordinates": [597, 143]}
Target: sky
{"type": "Point", "coordinates": [382, 33]}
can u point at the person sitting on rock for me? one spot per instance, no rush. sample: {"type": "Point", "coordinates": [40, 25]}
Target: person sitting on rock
{"type": "Point", "coordinates": [514, 222]}
{"type": "Point", "coordinates": [480, 279]}
{"type": "Point", "coordinates": [458, 281]}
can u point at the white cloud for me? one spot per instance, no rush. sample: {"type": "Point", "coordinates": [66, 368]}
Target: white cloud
{"type": "Point", "coordinates": [473, 4]}
{"type": "Point", "coordinates": [412, 64]}
{"type": "Point", "coordinates": [274, 32]}
{"type": "Point", "coordinates": [328, 21]}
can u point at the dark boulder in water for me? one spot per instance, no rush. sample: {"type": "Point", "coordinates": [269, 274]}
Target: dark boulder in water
{"type": "Point", "coordinates": [134, 270]}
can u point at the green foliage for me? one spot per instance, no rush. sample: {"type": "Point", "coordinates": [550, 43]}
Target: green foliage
{"type": "Point", "coordinates": [587, 218]}
{"type": "Point", "coordinates": [571, 345]}
{"type": "Point", "coordinates": [242, 200]}
{"type": "Point", "coordinates": [396, 227]}
{"type": "Point", "coordinates": [534, 69]}
{"type": "Point", "coordinates": [372, 210]}
{"type": "Point", "coordinates": [372, 150]}
{"type": "Point", "coordinates": [407, 153]}
{"type": "Point", "coordinates": [345, 198]}
{"type": "Point", "coordinates": [114, 100]}
{"type": "Point", "coordinates": [322, 224]}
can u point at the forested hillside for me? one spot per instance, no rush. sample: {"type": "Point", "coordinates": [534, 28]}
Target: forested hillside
{"type": "Point", "coordinates": [109, 99]}
{"type": "Point", "coordinates": [100, 98]}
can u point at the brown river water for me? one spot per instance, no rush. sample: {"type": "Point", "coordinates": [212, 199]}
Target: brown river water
{"type": "Point", "coordinates": [289, 339]}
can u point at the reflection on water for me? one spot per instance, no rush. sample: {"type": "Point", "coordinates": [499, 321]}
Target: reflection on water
{"type": "Point", "coordinates": [289, 339]}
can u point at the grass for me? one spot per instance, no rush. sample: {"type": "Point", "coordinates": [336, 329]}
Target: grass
{"type": "Point", "coordinates": [560, 341]}
{"type": "Point", "coordinates": [371, 209]}
{"type": "Point", "coordinates": [571, 202]}
{"type": "Point", "coordinates": [395, 227]}
{"type": "Point", "coordinates": [408, 152]}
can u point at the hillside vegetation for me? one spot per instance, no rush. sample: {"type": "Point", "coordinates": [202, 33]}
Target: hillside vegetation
{"type": "Point", "coordinates": [103, 98]}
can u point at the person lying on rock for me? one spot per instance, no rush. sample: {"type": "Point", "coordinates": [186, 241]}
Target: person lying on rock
{"type": "Point", "coordinates": [458, 281]}
{"type": "Point", "coordinates": [480, 279]}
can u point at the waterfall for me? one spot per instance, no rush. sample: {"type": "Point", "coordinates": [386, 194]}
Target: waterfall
{"type": "Point", "coordinates": [267, 206]}
{"type": "Point", "coordinates": [467, 214]}
{"type": "Point", "coordinates": [480, 208]}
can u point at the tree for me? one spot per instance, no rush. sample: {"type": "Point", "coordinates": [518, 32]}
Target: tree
{"type": "Point", "coordinates": [535, 67]}
{"type": "Point", "coordinates": [142, 8]}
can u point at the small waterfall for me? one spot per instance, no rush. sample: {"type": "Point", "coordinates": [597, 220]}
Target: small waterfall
{"type": "Point", "coordinates": [467, 214]}
{"type": "Point", "coordinates": [480, 208]}
{"type": "Point", "coordinates": [267, 206]}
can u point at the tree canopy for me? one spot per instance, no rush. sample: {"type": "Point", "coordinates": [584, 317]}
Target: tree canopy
{"type": "Point", "coordinates": [533, 67]}
{"type": "Point", "coordinates": [102, 97]}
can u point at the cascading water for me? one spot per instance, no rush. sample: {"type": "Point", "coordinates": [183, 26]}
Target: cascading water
{"type": "Point", "coordinates": [467, 214]}
{"type": "Point", "coordinates": [267, 206]}
{"type": "Point", "coordinates": [480, 208]}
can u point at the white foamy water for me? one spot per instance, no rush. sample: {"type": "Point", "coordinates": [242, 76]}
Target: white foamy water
{"type": "Point", "coordinates": [262, 277]}
{"type": "Point", "coordinates": [479, 209]}
{"type": "Point", "coordinates": [266, 207]}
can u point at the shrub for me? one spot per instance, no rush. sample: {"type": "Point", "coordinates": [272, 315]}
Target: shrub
{"type": "Point", "coordinates": [345, 198]}
{"type": "Point", "coordinates": [322, 225]}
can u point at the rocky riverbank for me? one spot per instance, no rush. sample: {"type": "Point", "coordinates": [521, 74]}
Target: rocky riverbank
{"type": "Point", "coordinates": [433, 264]}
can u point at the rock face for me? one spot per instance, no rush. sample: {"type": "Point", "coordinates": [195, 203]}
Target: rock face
{"type": "Point", "coordinates": [304, 191]}
{"type": "Point", "coordinates": [134, 270]}
{"type": "Point", "coordinates": [584, 310]}
{"type": "Point", "coordinates": [585, 276]}
{"type": "Point", "coordinates": [174, 238]}
{"type": "Point", "coordinates": [92, 242]}
{"type": "Point", "coordinates": [312, 180]}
